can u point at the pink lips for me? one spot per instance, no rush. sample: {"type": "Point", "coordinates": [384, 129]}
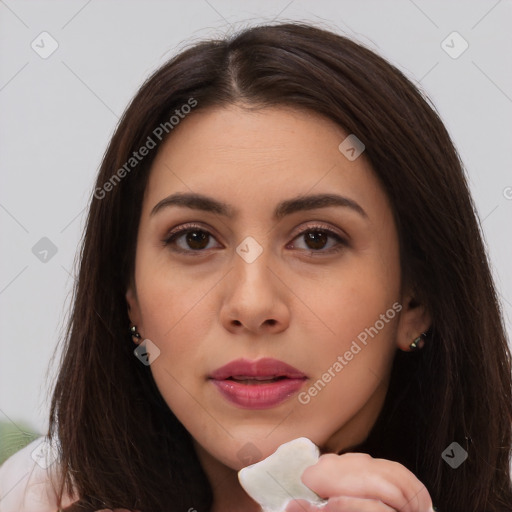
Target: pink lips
{"type": "Point", "coordinates": [257, 384]}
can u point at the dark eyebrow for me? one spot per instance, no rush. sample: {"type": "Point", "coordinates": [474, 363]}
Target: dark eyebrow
{"type": "Point", "coordinates": [208, 204]}
{"type": "Point", "coordinates": [196, 202]}
{"type": "Point", "coordinates": [316, 201]}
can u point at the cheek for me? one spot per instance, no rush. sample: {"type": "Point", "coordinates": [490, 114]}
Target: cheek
{"type": "Point", "coordinates": [347, 368]}
{"type": "Point", "coordinates": [174, 312]}
{"type": "Point", "coordinates": [360, 310]}
{"type": "Point", "coordinates": [167, 293]}
{"type": "Point", "coordinates": [174, 318]}
{"type": "Point", "coordinates": [353, 298]}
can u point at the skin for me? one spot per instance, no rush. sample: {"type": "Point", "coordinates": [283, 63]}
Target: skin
{"type": "Point", "coordinates": [297, 302]}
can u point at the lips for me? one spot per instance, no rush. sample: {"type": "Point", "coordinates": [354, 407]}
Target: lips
{"type": "Point", "coordinates": [262, 369]}
{"type": "Point", "coordinates": [257, 384]}
{"type": "Point", "coordinates": [245, 379]}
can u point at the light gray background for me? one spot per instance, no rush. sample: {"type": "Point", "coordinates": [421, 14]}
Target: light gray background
{"type": "Point", "coordinates": [58, 113]}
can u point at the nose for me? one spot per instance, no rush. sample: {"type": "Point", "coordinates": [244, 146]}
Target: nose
{"type": "Point", "coordinates": [254, 298]}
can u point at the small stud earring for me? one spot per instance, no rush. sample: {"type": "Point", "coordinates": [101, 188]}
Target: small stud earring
{"type": "Point", "coordinates": [135, 334]}
{"type": "Point", "coordinates": [415, 345]}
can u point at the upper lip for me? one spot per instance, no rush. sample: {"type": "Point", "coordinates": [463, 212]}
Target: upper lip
{"type": "Point", "coordinates": [265, 368]}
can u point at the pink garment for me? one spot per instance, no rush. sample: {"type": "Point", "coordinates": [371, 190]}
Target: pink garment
{"type": "Point", "coordinates": [28, 480]}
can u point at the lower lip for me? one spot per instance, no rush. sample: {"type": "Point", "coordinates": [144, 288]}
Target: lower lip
{"type": "Point", "coordinates": [258, 396]}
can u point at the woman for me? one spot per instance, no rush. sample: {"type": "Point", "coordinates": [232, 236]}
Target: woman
{"type": "Point", "coordinates": [283, 224]}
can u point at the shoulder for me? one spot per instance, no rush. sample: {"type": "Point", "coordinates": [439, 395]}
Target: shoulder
{"type": "Point", "coordinates": [26, 479]}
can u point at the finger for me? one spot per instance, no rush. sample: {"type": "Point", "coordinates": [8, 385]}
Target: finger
{"type": "Point", "coordinates": [350, 504]}
{"type": "Point", "coordinates": [360, 475]}
{"type": "Point", "coordinates": [301, 506]}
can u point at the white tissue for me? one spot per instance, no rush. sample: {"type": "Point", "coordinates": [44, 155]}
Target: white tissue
{"type": "Point", "coordinates": [275, 481]}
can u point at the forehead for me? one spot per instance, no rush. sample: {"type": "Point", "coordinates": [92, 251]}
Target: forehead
{"type": "Point", "coordinates": [258, 157]}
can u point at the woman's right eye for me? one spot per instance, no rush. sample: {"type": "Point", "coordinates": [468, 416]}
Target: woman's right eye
{"type": "Point", "coordinates": [189, 239]}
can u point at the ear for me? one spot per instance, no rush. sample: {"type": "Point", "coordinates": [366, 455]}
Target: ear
{"type": "Point", "coordinates": [414, 320]}
{"type": "Point", "coordinates": [134, 309]}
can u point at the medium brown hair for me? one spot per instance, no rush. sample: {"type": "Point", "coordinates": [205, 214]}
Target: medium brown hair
{"type": "Point", "coordinates": [121, 444]}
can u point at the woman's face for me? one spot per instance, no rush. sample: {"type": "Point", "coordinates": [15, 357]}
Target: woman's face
{"type": "Point", "coordinates": [268, 275]}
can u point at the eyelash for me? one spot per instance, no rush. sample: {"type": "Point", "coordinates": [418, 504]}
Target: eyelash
{"type": "Point", "coordinates": [190, 228]}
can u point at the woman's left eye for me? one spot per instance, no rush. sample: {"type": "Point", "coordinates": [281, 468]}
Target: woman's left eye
{"type": "Point", "coordinates": [317, 240]}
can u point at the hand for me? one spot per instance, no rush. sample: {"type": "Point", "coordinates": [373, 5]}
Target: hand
{"type": "Point", "coordinates": [356, 482]}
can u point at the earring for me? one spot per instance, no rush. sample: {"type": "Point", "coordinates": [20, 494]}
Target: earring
{"type": "Point", "coordinates": [135, 334]}
{"type": "Point", "coordinates": [415, 345]}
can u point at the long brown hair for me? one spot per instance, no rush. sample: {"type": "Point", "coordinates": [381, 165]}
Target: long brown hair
{"type": "Point", "coordinates": [121, 444]}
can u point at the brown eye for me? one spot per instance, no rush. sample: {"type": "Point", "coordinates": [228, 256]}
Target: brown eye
{"type": "Point", "coordinates": [192, 239]}
{"type": "Point", "coordinates": [316, 239]}
{"type": "Point", "coordinates": [319, 240]}
{"type": "Point", "coordinates": [197, 239]}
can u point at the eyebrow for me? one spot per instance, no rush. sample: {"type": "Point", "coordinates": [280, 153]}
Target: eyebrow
{"type": "Point", "coordinates": [287, 207]}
